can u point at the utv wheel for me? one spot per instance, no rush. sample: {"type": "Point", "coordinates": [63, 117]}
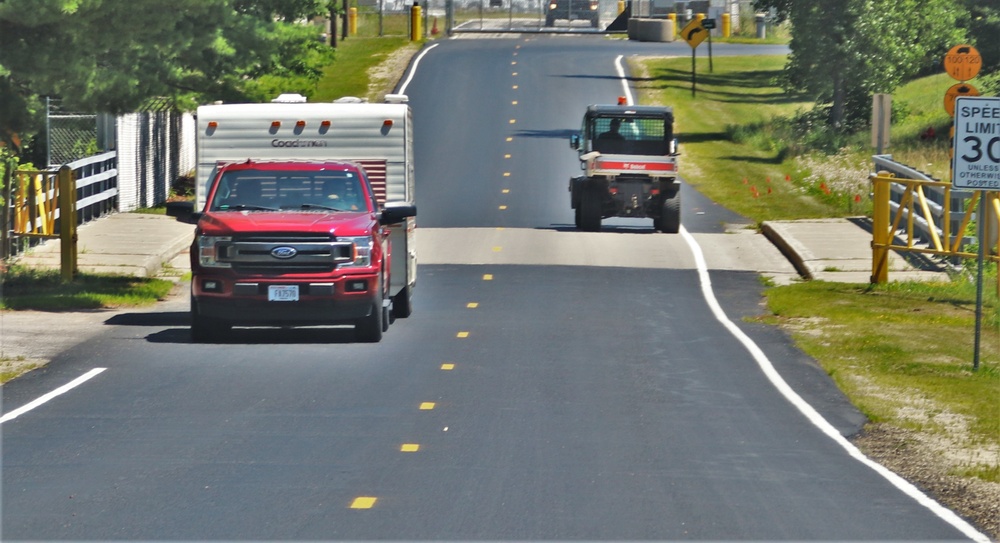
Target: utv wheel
{"type": "Point", "coordinates": [206, 329]}
{"type": "Point", "coordinates": [591, 209]}
{"type": "Point", "coordinates": [670, 220]}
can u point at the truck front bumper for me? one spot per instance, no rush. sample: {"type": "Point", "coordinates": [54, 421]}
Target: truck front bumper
{"type": "Point", "coordinates": [246, 302]}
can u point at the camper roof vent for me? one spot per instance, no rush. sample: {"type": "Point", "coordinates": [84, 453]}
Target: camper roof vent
{"type": "Point", "coordinates": [289, 98]}
{"type": "Point", "coordinates": [397, 99]}
{"type": "Point", "coordinates": [349, 100]}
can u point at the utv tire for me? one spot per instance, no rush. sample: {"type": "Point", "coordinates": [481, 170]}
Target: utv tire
{"type": "Point", "coordinates": [591, 208]}
{"type": "Point", "coordinates": [670, 220]}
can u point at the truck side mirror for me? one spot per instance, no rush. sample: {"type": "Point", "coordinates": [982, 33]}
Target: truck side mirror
{"type": "Point", "coordinates": [673, 146]}
{"type": "Point", "coordinates": [397, 212]}
{"type": "Point", "coordinates": [574, 141]}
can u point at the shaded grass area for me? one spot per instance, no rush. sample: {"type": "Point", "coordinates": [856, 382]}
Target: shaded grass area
{"type": "Point", "coordinates": [729, 147]}
{"type": "Point", "coordinates": [44, 290]}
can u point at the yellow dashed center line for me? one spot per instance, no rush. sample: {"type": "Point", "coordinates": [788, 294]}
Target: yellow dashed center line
{"type": "Point", "coordinates": [505, 191]}
{"type": "Point", "coordinates": [409, 447]}
{"type": "Point", "coordinates": [507, 155]}
{"type": "Point", "coordinates": [426, 406]}
{"type": "Point", "coordinates": [503, 208]}
{"type": "Point", "coordinates": [510, 139]}
{"type": "Point", "coordinates": [512, 121]}
{"type": "Point", "coordinates": [488, 277]}
{"type": "Point", "coordinates": [515, 87]}
{"type": "Point", "coordinates": [462, 335]}
{"type": "Point", "coordinates": [497, 249]}
{"type": "Point", "coordinates": [513, 103]}
{"type": "Point", "coordinates": [363, 502]}
{"type": "Point", "coordinates": [447, 367]}
{"type": "Point", "coordinates": [506, 174]}
{"type": "Point", "coordinates": [472, 305]}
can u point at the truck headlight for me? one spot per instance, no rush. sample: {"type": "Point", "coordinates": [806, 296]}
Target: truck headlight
{"type": "Point", "coordinates": [208, 251]}
{"type": "Point", "coordinates": [362, 251]}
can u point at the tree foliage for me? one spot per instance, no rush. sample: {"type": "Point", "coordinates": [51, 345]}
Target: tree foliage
{"type": "Point", "coordinates": [843, 51]}
{"type": "Point", "coordinates": [113, 55]}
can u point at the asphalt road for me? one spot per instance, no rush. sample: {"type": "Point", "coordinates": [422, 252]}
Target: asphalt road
{"type": "Point", "coordinates": [535, 393]}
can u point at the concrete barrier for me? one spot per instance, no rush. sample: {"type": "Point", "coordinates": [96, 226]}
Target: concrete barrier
{"type": "Point", "coordinates": [658, 30]}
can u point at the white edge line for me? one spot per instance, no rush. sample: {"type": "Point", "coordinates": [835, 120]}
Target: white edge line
{"type": "Point", "coordinates": [413, 69]}
{"type": "Point", "coordinates": [57, 392]}
{"type": "Point", "coordinates": [803, 406]}
{"type": "Point", "coordinates": [810, 413]}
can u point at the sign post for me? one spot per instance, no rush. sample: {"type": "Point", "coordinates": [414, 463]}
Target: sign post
{"type": "Point", "coordinates": [694, 33]}
{"type": "Point", "coordinates": [709, 25]}
{"type": "Point", "coordinates": [976, 166]}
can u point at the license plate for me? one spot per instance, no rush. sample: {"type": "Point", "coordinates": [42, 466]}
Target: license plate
{"type": "Point", "coordinates": [283, 293]}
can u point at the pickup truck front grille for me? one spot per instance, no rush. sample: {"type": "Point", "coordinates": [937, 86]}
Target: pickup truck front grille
{"type": "Point", "coordinates": [269, 254]}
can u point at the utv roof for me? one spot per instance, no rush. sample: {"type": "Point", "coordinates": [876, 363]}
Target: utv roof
{"type": "Point", "coordinates": [651, 111]}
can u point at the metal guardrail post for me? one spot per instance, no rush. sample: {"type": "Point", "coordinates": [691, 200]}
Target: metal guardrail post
{"type": "Point", "coordinates": [67, 223]}
{"type": "Point", "coordinates": [880, 231]}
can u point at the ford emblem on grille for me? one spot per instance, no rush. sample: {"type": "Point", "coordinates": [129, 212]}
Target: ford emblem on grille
{"type": "Point", "coordinates": [283, 252]}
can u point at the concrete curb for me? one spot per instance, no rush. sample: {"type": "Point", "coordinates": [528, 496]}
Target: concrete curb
{"type": "Point", "coordinates": [796, 253]}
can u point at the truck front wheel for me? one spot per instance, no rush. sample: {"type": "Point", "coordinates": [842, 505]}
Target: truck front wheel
{"type": "Point", "coordinates": [591, 209]}
{"type": "Point", "coordinates": [206, 329]}
{"type": "Point", "coordinates": [369, 329]}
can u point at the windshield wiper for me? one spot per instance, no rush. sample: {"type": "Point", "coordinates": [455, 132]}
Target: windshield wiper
{"type": "Point", "coordinates": [320, 206]}
{"type": "Point", "coordinates": [247, 207]}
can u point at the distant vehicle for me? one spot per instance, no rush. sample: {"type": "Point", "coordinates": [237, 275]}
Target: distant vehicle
{"type": "Point", "coordinates": [573, 10]}
{"type": "Point", "coordinates": [629, 156]}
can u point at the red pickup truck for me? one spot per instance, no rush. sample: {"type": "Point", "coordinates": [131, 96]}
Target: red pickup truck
{"type": "Point", "coordinates": [292, 243]}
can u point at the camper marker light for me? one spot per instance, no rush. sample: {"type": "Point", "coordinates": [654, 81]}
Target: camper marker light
{"type": "Point", "coordinates": [275, 124]}
{"type": "Point", "coordinates": [387, 123]}
{"type": "Point", "coordinates": [300, 124]}
{"type": "Point", "coordinates": [213, 124]}
{"type": "Point", "coordinates": [325, 124]}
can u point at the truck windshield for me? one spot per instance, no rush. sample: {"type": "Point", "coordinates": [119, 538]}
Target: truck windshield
{"type": "Point", "coordinates": [266, 190]}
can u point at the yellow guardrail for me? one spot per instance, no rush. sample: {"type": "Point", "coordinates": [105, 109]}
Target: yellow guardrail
{"type": "Point", "coordinates": [40, 198]}
{"type": "Point", "coordinates": [944, 243]}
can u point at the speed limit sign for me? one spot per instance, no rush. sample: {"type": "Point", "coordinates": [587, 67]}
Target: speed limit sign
{"type": "Point", "coordinates": [977, 143]}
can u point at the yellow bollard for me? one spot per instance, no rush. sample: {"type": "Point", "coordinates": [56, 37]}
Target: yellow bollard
{"type": "Point", "coordinates": [415, 30]}
{"type": "Point", "coordinates": [727, 25]}
{"type": "Point", "coordinates": [880, 231]}
{"type": "Point", "coordinates": [621, 6]}
{"type": "Point", "coordinates": [67, 223]}
{"type": "Point", "coordinates": [352, 21]}
{"type": "Point", "coordinates": [673, 18]}
{"type": "Point", "coordinates": [699, 17]}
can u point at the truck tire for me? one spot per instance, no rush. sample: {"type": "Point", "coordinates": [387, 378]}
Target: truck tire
{"type": "Point", "coordinates": [206, 329]}
{"type": "Point", "coordinates": [369, 329]}
{"type": "Point", "coordinates": [670, 220]}
{"type": "Point", "coordinates": [591, 209]}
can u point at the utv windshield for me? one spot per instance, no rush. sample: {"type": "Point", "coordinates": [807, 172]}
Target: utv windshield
{"type": "Point", "coordinates": [630, 135]}
{"type": "Point", "coordinates": [269, 190]}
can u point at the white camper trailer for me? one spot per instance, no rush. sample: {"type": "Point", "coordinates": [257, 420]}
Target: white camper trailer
{"type": "Point", "coordinates": [376, 136]}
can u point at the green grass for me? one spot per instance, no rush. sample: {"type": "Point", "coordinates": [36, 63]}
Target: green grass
{"type": "Point", "coordinates": [903, 353]}
{"type": "Point", "coordinates": [44, 290]}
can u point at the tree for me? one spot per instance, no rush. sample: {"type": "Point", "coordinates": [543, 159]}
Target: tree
{"type": "Point", "coordinates": [113, 55]}
{"type": "Point", "coordinates": [843, 51]}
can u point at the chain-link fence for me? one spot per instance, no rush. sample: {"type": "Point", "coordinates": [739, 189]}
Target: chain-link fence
{"type": "Point", "coordinates": [71, 135]}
